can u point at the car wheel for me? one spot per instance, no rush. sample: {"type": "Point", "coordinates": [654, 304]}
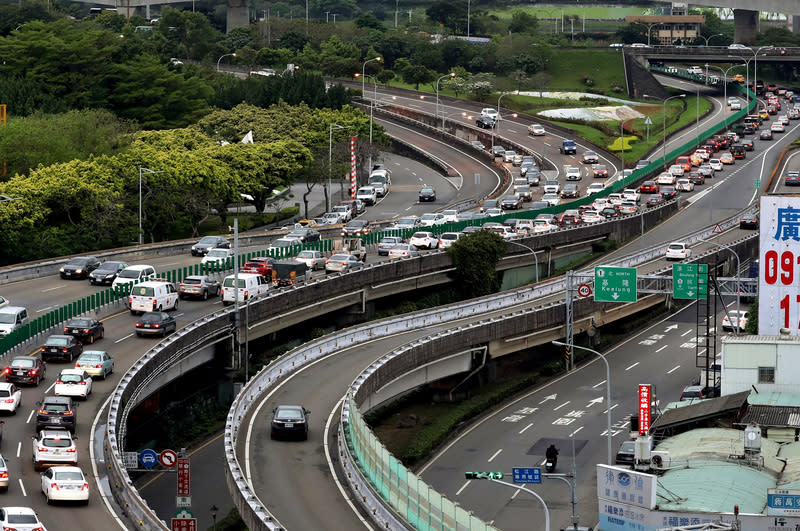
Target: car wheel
{"type": "Point", "coordinates": [176, 305]}
{"type": "Point", "coordinates": [160, 309]}
{"type": "Point", "coordinates": [205, 294]}
{"type": "Point", "coordinates": [180, 296]}
{"type": "Point", "coordinates": [91, 339]}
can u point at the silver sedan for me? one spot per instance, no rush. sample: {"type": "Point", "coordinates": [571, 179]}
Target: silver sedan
{"type": "Point", "coordinates": [312, 259]}
{"type": "Point", "coordinates": [342, 262]}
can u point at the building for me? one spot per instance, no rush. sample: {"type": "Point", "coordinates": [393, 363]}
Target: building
{"type": "Point", "coordinates": [766, 363]}
{"type": "Point", "coordinates": [666, 29]}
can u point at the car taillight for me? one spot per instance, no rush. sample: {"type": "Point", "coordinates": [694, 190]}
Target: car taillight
{"type": "Point", "coordinates": [33, 372]}
{"type": "Point", "coordinates": [42, 449]}
{"type": "Point", "coordinates": [130, 300]}
{"type": "Point", "coordinates": [9, 400]}
{"type": "Point", "coordinates": [4, 475]}
{"type": "Point", "coordinates": [43, 349]}
{"type": "Point", "coordinates": [327, 262]}
{"type": "Point", "coordinates": [138, 325]}
{"type": "Point", "coordinates": [71, 450]}
{"type": "Point", "coordinates": [344, 263]}
{"type": "Point", "coordinates": [7, 370]}
{"type": "Point", "coordinates": [85, 330]}
{"type": "Point", "coordinates": [43, 412]}
{"type": "Point", "coordinates": [54, 486]}
{"type": "Point", "coordinates": [154, 304]}
{"type": "Point", "coordinates": [64, 349]}
{"type": "Point", "coordinates": [66, 330]}
{"type": "Point", "coordinates": [59, 382]}
{"type": "Point", "coordinates": [68, 412]}
{"type": "Point", "coordinates": [85, 486]}
{"type": "Point", "coordinates": [156, 325]}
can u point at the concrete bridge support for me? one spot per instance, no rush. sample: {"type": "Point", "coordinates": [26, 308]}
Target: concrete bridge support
{"type": "Point", "coordinates": [238, 15]}
{"type": "Point", "coordinates": [745, 26]}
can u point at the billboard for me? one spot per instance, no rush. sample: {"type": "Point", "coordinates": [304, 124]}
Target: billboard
{"type": "Point", "coordinates": [622, 485]}
{"type": "Point", "coordinates": [644, 408]}
{"type": "Point", "coordinates": [779, 265]}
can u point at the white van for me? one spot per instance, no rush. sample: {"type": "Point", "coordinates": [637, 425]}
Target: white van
{"type": "Point", "coordinates": [134, 273]}
{"type": "Point", "coordinates": [153, 296]}
{"type": "Point", "coordinates": [368, 195]}
{"type": "Point", "coordinates": [381, 180]}
{"type": "Point", "coordinates": [250, 285]}
{"type": "Point", "coordinates": [11, 318]}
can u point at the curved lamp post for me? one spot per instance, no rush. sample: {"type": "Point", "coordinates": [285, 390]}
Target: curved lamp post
{"type": "Point", "coordinates": [711, 37]}
{"type": "Point", "coordinates": [436, 117]}
{"type": "Point", "coordinates": [536, 258]}
{"type": "Point", "coordinates": [664, 130]}
{"type": "Point", "coordinates": [363, 71]}
{"type": "Point", "coordinates": [223, 57]}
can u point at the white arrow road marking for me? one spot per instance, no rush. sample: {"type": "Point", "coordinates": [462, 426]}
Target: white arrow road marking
{"type": "Point", "coordinates": [595, 401]}
{"type": "Point", "coordinates": [576, 431]}
{"type": "Point", "coordinates": [670, 327]}
{"type": "Point", "coordinates": [549, 397]}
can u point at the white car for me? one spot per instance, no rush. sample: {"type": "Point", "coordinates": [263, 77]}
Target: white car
{"type": "Point", "coordinates": [574, 174]}
{"type": "Point", "coordinates": [65, 483]}
{"type": "Point", "coordinates": [54, 447]}
{"type": "Point", "coordinates": [403, 250]}
{"type": "Point", "coordinates": [592, 216]}
{"type": "Point", "coordinates": [10, 397]}
{"type": "Point", "coordinates": [631, 194]}
{"type": "Point", "coordinates": [543, 225]}
{"type": "Point", "coordinates": [425, 240]}
{"type": "Point", "coordinates": [73, 382]}
{"type": "Point", "coordinates": [600, 203]}
{"type": "Point", "coordinates": [740, 316]}
{"type": "Point", "coordinates": [411, 222]}
{"type": "Point", "coordinates": [677, 251]}
{"type": "Point", "coordinates": [553, 199]}
{"type": "Point", "coordinates": [684, 185]}
{"type": "Point", "coordinates": [551, 186]}
{"type": "Point", "coordinates": [715, 164]}
{"type": "Point", "coordinates": [332, 218]}
{"type": "Point", "coordinates": [217, 255]}
{"type": "Point", "coordinates": [628, 207]}
{"type": "Point", "coordinates": [450, 216]}
{"type": "Point", "coordinates": [447, 239]}
{"type": "Point", "coordinates": [536, 130]}
{"type": "Point", "coordinates": [736, 105]}
{"type": "Point", "coordinates": [694, 70]}
{"type": "Point", "coordinates": [488, 112]}
{"type": "Point", "coordinates": [490, 212]}
{"type": "Point", "coordinates": [676, 170]}
{"type": "Point", "coordinates": [3, 302]}
{"type": "Point", "coordinates": [615, 199]}
{"type": "Point", "coordinates": [312, 259]}
{"type": "Point", "coordinates": [666, 178]}
{"type": "Point", "coordinates": [20, 518]}
{"type": "Point", "coordinates": [431, 219]}
{"type": "Point", "coordinates": [777, 127]}
{"type": "Point", "coordinates": [595, 188]}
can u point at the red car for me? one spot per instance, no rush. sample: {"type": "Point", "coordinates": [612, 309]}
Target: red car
{"type": "Point", "coordinates": [600, 171]}
{"type": "Point", "coordinates": [684, 162]}
{"type": "Point", "coordinates": [649, 187]}
{"type": "Point", "coordinates": [261, 266]}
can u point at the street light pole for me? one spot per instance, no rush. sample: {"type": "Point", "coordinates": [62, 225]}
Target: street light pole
{"type": "Point", "coordinates": [649, 27]}
{"type": "Point", "coordinates": [664, 126]}
{"type": "Point", "coordinates": [214, 515]}
{"type": "Point", "coordinates": [146, 170]}
{"type": "Point", "coordinates": [725, 85]}
{"type": "Point", "coordinates": [497, 122]}
{"type": "Point", "coordinates": [711, 37]}
{"type": "Point", "coordinates": [532, 493]}
{"type": "Point", "coordinates": [330, 157]}
{"type": "Point", "coordinates": [608, 390]}
{"type": "Point", "coordinates": [436, 117]}
{"type": "Point", "coordinates": [536, 258]}
{"type": "Point", "coordinates": [224, 56]}
{"type": "Point", "coordinates": [363, 71]}
{"type": "Point", "coordinates": [738, 286]}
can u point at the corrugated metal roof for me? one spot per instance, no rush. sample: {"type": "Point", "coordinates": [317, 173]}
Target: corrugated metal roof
{"type": "Point", "coordinates": [700, 409]}
{"type": "Point", "coordinates": [772, 416]}
{"type": "Point", "coordinates": [774, 399]}
{"type": "Point", "coordinates": [761, 339]}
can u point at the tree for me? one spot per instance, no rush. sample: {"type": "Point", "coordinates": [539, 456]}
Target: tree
{"type": "Point", "coordinates": [294, 40]}
{"type": "Point", "coordinates": [385, 76]}
{"type": "Point", "coordinates": [475, 257]}
{"type": "Point", "coordinates": [416, 74]}
{"type": "Point", "coordinates": [368, 20]}
{"type": "Point", "coordinates": [522, 22]}
{"type": "Point", "coordinates": [520, 78]}
{"type": "Point", "coordinates": [452, 14]}
{"type": "Point", "coordinates": [541, 80]}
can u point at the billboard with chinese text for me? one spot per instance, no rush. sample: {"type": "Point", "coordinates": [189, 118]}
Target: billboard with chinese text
{"type": "Point", "coordinates": [779, 264]}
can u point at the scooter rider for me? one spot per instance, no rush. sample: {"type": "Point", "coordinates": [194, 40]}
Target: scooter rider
{"type": "Point", "coordinates": [552, 452]}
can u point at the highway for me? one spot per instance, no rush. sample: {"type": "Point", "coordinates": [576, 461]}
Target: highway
{"type": "Point", "coordinates": [45, 293]}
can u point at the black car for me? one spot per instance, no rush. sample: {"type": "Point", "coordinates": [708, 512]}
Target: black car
{"type": "Point", "coordinates": [106, 273]}
{"type": "Point", "coordinates": [511, 202]}
{"type": "Point", "coordinates": [305, 235]}
{"type": "Point", "coordinates": [56, 412]}
{"type": "Point", "coordinates": [569, 218]}
{"type": "Point", "coordinates": [696, 178]}
{"type": "Point", "coordinates": [79, 267]}
{"type": "Point", "coordinates": [748, 222]}
{"type": "Point", "coordinates": [60, 346]}
{"type": "Point", "coordinates": [427, 193]}
{"type": "Point", "coordinates": [199, 286]}
{"type": "Point", "coordinates": [792, 178]}
{"type": "Point", "coordinates": [610, 212]}
{"type": "Point", "coordinates": [655, 200]}
{"type": "Point", "coordinates": [356, 227]}
{"type": "Point", "coordinates": [570, 190]}
{"type": "Point", "coordinates": [289, 421]}
{"type": "Point", "coordinates": [206, 243]}
{"type": "Point", "coordinates": [668, 192]}
{"type": "Point", "coordinates": [484, 122]}
{"type": "Point", "coordinates": [155, 323]}
{"type": "Point", "coordinates": [85, 329]}
{"type": "Point", "coordinates": [25, 369]}
{"type": "Point", "coordinates": [626, 453]}
{"type": "Point", "coordinates": [748, 144]}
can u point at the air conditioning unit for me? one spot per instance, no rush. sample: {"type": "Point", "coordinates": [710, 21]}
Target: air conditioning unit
{"type": "Point", "coordinates": [660, 460]}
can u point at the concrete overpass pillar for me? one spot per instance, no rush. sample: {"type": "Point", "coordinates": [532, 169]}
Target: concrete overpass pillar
{"type": "Point", "coordinates": [238, 15]}
{"type": "Point", "coordinates": [745, 26]}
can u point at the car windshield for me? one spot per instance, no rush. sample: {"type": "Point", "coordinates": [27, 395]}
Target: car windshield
{"type": "Point", "coordinates": [153, 317]}
{"type": "Point", "coordinates": [627, 446]}
{"type": "Point", "coordinates": [55, 408]}
{"type": "Point", "coordinates": [429, 190]}
{"type": "Point", "coordinates": [676, 247]}
{"type": "Point", "coordinates": [69, 475]}
{"type": "Point", "coordinates": [691, 394]}
{"type": "Point", "coordinates": [289, 413]}
{"type": "Point", "coordinates": [108, 266]}
{"type": "Point", "coordinates": [356, 223]}
{"type": "Point", "coordinates": [207, 240]}
{"type": "Point", "coordinates": [406, 221]}
{"type": "Point", "coordinates": [449, 236]}
{"type": "Point", "coordinates": [283, 243]}
{"type": "Point", "coordinates": [428, 217]}
{"type": "Point", "coordinates": [57, 341]}
{"type": "Point", "coordinates": [24, 363]}
{"type": "Point", "coordinates": [306, 254]}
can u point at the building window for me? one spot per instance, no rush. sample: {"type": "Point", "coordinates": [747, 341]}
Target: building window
{"type": "Point", "coordinates": [766, 375]}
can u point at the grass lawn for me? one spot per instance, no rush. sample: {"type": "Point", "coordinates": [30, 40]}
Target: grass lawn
{"type": "Point", "coordinates": [570, 69]}
{"type": "Point", "coordinates": [588, 12]}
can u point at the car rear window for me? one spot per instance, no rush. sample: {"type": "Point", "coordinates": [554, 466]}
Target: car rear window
{"type": "Point", "coordinates": [21, 518]}
{"type": "Point", "coordinates": [5, 392]}
{"type": "Point", "coordinates": [26, 363]}
{"type": "Point", "coordinates": [143, 291]}
{"type": "Point", "coordinates": [58, 341]}
{"type": "Point", "coordinates": [193, 281]}
{"type": "Point", "coordinates": [69, 378]}
{"type": "Point", "coordinates": [68, 476]}
{"type": "Point", "coordinates": [55, 408]}
{"type": "Point", "coordinates": [56, 442]}
{"type": "Point", "coordinates": [90, 357]}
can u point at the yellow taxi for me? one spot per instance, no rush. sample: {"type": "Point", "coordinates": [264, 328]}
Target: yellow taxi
{"type": "Point", "coordinates": [738, 78]}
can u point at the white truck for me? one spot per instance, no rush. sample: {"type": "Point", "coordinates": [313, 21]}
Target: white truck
{"type": "Point", "coordinates": [368, 194]}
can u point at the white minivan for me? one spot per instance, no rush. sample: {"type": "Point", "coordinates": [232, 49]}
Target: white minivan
{"type": "Point", "coordinates": [153, 296]}
{"type": "Point", "coordinates": [134, 273]}
{"type": "Point", "coordinates": [11, 318]}
{"type": "Point", "coordinates": [368, 195]}
{"type": "Point", "coordinates": [250, 285]}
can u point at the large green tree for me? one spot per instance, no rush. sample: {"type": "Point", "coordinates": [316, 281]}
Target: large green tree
{"type": "Point", "coordinates": [475, 258]}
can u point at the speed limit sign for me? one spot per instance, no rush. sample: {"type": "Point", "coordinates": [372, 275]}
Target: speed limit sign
{"type": "Point", "coordinates": [584, 290]}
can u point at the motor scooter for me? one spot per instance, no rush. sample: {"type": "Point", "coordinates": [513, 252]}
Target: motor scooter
{"type": "Point", "coordinates": [550, 464]}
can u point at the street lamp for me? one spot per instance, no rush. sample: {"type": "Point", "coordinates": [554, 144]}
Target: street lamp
{"type": "Point", "coordinates": [534, 257]}
{"type": "Point", "coordinates": [649, 27]}
{"type": "Point", "coordinates": [724, 83]}
{"type": "Point", "coordinates": [371, 107]}
{"type": "Point", "coordinates": [214, 510]}
{"type": "Point", "coordinates": [664, 130]}
{"type": "Point", "coordinates": [141, 170]}
{"type": "Point", "coordinates": [755, 63]}
{"type": "Point", "coordinates": [446, 116]}
{"type": "Point", "coordinates": [330, 157]}
{"type": "Point", "coordinates": [738, 286]}
{"type": "Point", "coordinates": [224, 56]}
{"type": "Point", "coordinates": [711, 37]}
{"type": "Point", "coordinates": [608, 390]}
{"type": "Point", "coordinates": [436, 118]}
{"type": "Point", "coordinates": [497, 121]}
{"type": "Point", "coordinates": [363, 71]}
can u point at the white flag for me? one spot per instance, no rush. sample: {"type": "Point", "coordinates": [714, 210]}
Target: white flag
{"type": "Point", "coordinates": [248, 138]}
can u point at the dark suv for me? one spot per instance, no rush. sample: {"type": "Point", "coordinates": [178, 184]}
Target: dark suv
{"type": "Point", "coordinates": [25, 369]}
{"type": "Point", "coordinates": [56, 412]}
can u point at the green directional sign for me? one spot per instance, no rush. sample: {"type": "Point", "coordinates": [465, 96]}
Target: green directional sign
{"type": "Point", "coordinates": [614, 284]}
{"type": "Point", "coordinates": [690, 281]}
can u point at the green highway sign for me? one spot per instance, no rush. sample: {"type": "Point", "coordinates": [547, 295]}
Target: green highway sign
{"type": "Point", "coordinates": [614, 284]}
{"type": "Point", "coordinates": [690, 281]}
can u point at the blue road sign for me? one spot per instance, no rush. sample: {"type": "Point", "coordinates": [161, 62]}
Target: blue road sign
{"type": "Point", "coordinates": [148, 458]}
{"type": "Point", "coordinates": [527, 475]}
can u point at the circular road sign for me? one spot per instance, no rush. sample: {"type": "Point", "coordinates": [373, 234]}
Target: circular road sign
{"type": "Point", "coordinates": [168, 458]}
{"type": "Point", "coordinates": [584, 290]}
{"type": "Point", "coordinates": [148, 458]}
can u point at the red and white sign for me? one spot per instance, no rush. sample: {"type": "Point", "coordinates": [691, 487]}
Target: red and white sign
{"type": "Point", "coordinates": [184, 479]}
{"type": "Point", "coordinates": [584, 290]}
{"type": "Point", "coordinates": [168, 458]}
{"type": "Point", "coordinates": [644, 408]}
{"type": "Point", "coordinates": [353, 179]}
{"type": "Point", "coordinates": [779, 266]}
{"type": "Point", "coordinates": [183, 524]}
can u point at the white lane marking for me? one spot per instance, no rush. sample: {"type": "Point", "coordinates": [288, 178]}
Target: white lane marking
{"type": "Point", "coordinates": [464, 486]}
{"type": "Point", "coordinates": [19, 449]}
{"type": "Point", "coordinates": [516, 492]}
{"type": "Point", "coordinates": [50, 388]}
{"type": "Point", "coordinates": [632, 366]}
{"type": "Point", "coordinates": [598, 384]}
{"type": "Point", "coordinates": [179, 315]}
{"type": "Point", "coordinates": [730, 304]}
{"type": "Point", "coordinates": [687, 332]}
{"type": "Point", "coordinates": [30, 416]}
{"type": "Point", "coordinates": [93, 459]}
{"type": "Point", "coordinates": [675, 368]}
{"type": "Point", "coordinates": [520, 432]}
{"type": "Point", "coordinates": [44, 309]}
{"type": "Point", "coordinates": [576, 431]}
{"type": "Point", "coordinates": [53, 288]}
{"type": "Point", "coordinates": [494, 455]}
{"type": "Point", "coordinates": [22, 487]}
{"type": "Point", "coordinates": [562, 405]}
{"type": "Point", "coordinates": [123, 338]}
{"type": "Point", "coordinates": [330, 463]}
{"type": "Point", "coordinates": [611, 409]}
{"type": "Point", "coordinates": [662, 348]}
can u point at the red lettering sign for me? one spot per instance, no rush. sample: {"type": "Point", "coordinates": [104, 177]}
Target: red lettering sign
{"type": "Point", "coordinates": [644, 408]}
{"type": "Point", "coordinates": [183, 524]}
{"type": "Point", "coordinates": [184, 483]}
